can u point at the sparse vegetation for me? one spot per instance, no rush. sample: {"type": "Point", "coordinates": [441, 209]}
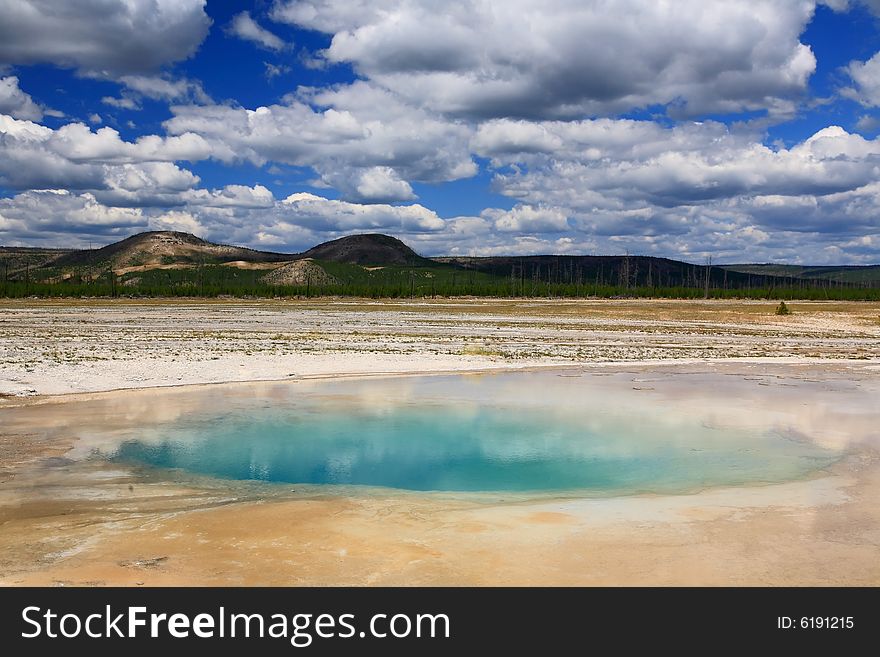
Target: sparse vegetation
{"type": "Point", "coordinates": [481, 350]}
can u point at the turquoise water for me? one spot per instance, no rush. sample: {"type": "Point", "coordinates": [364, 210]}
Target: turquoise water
{"type": "Point", "coordinates": [453, 434]}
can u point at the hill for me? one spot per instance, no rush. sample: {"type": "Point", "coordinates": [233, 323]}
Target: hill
{"type": "Point", "coordinates": [17, 259]}
{"type": "Point", "coordinates": [369, 249]}
{"type": "Point", "coordinates": [162, 248]}
{"type": "Point", "coordinates": [865, 274]}
{"type": "Point", "coordinates": [623, 271]}
{"type": "Point", "coordinates": [299, 272]}
{"type": "Point", "coordinates": [166, 263]}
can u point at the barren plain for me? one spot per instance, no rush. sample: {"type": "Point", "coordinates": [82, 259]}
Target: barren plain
{"type": "Point", "coordinates": [98, 523]}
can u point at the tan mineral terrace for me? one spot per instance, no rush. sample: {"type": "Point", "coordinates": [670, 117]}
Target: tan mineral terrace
{"type": "Point", "coordinates": [66, 520]}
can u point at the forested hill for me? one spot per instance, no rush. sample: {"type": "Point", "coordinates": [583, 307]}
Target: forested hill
{"type": "Point", "coordinates": [165, 263]}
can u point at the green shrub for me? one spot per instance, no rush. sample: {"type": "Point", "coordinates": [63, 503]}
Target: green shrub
{"type": "Point", "coordinates": [782, 309]}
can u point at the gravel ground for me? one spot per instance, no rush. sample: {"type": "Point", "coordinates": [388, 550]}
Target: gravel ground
{"type": "Point", "coordinates": [57, 347]}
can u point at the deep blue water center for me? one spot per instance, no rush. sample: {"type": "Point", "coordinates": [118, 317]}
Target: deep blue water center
{"type": "Point", "coordinates": [523, 432]}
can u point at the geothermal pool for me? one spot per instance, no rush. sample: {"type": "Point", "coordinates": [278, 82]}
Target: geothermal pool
{"type": "Point", "coordinates": [519, 432]}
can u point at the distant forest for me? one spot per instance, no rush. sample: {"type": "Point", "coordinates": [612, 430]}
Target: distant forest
{"type": "Point", "coordinates": [563, 279]}
{"type": "Point", "coordinates": [166, 264]}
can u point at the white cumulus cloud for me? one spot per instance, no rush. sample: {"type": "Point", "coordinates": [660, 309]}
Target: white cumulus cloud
{"type": "Point", "coordinates": [319, 213]}
{"type": "Point", "coordinates": [364, 142]}
{"type": "Point", "coordinates": [488, 58]}
{"type": "Point", "coordinates": [245, 27]}
{"type": "Point", "coordinates": [15, 102]}
{"type": "Point", "coordinates": [119, 36]}
{"type": "Point", "coordinates": [866, 76]}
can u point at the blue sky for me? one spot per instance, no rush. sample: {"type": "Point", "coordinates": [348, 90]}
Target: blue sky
{"type": "Point", "coordinates": [742, 131]}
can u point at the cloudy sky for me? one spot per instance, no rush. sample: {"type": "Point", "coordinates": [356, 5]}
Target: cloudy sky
{"type": "Point", "coordinates": [744, 131]}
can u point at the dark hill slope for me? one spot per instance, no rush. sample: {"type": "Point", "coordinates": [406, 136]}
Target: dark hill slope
{"type": "Point", "coordinates": [858, 274]}
{"type": "Point", "coordinates": [631, 271]}
{"type": "Point", "coordinates": [372, 249]}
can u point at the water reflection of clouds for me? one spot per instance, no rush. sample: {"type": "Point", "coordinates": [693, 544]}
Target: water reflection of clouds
{"type": "Point", "coordinates": [832, 414]}
{"type": "Point", "coordinates": [450, 431]}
